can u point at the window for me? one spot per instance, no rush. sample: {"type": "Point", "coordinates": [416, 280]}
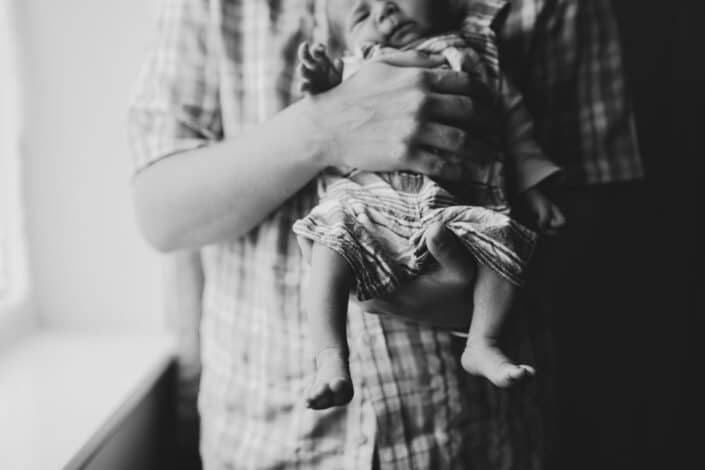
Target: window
{"type": "Point", "coordinates": [13, 275]}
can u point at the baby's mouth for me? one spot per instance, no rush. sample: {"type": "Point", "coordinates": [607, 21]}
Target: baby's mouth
{"type": "Point", "coordinates": [399, 32]}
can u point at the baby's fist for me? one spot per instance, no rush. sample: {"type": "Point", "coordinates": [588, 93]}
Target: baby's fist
{"type": "Point", "coordinates": [545, 214]}
{"type": "Point", "coordinates": [318, 72]}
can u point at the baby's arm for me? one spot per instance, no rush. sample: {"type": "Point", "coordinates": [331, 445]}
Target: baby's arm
{"type": "Point", "coordinates": [318, 71]}
{"type": "Point", "coordinates": [530, 170]}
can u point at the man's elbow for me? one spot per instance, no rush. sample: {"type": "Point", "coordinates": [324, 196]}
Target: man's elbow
{"type": "Point", "coordinates": [153, 221]}
{"type": "Point", "coordinates": [156, 232]}
{"type": "Point", "coordinates": [159, 239]}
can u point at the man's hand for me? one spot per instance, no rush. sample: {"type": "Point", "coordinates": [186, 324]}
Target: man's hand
{"type": "Point", "coordinates": [401, 113]}
{"type": "Point", "coordinates": [442, 297]}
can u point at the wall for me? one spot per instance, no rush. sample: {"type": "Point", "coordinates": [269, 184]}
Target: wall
{"type": "Point", "coordinates": [90, 268]}
{"type": "Point", "coordinates": [16, 312]}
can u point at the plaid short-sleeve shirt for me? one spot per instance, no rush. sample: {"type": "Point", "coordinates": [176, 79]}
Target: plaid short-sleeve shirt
{"type": "Point", "coordinates": [220, 66]}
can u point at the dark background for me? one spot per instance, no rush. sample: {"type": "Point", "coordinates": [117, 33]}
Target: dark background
{"type": "Point", "coordinates": [627, 375]}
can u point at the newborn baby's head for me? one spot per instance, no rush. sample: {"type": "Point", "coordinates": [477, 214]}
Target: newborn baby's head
{"type": "Point", "coordinates": [387, 23]}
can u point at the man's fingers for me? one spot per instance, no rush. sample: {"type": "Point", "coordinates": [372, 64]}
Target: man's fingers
{"type": "Point", "coordinates": [455, 109]}
{"type": "Point", "coordinates": [432, 164]}
{"type": "Point", "coordinates": [477, 152]}
{"type": "Point", "coordinates": [445, 247]}
{"type": "Point", "coordinates": [448, 82]}
{"type": "Point", "coordinates": [412, 59]}
{"type": "Point", "coordinates": [443, 162]}
{"type": "Point", "coordinates": [441, 137]}
{"type": "Point", "coordinates": [462, 111]}
{"type": "Point", "coordinates": [452, 82]}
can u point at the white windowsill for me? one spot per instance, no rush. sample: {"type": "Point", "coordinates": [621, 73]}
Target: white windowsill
{"type": "Point", "coordinates": [62, 394]}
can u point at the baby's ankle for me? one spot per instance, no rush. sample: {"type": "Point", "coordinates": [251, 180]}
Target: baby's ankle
{"type": "Point", "coordinates": [331, 353]}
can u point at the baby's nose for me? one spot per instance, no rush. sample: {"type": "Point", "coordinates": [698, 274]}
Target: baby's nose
{"type": "Point", "coordinates": [383, 10]}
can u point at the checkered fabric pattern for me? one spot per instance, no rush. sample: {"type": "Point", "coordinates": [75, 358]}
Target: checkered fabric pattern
{"type": "Point", "coordinates": [220, 66]}
{"type": "Point", "coordinates": [566, 59]}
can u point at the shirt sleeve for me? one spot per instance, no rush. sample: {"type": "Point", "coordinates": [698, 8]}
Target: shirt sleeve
{"type": "Point", "coordinates": [566, 58]}
{"type": "Point", "coordinates": [175, 105]}
{"type": "Point", "coordinates": [527, 163]}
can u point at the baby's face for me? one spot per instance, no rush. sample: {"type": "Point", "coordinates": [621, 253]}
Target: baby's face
{"type": "Point", "coordinates": [388, 23]}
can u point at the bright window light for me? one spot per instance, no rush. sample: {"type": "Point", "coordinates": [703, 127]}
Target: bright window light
{"type": "Point", "coordinates": [13, 268]}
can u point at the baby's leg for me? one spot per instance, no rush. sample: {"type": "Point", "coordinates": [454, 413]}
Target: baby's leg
{"type": "Point", "coordinates": [327, 304]}
{"type": "Point", "coordinates": [493, 298]}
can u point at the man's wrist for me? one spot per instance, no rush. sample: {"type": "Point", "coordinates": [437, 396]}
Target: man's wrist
{"type": "Point", "coordinates": [310, 119]}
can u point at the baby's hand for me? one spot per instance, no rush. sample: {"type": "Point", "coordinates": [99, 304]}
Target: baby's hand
{"type": "Point", "coordinates": [544, 213]}
{"type": "Point", "coordinates": [318, 72]}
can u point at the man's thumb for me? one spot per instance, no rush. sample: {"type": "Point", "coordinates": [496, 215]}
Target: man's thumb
{"type": "Point", "coordinates": [412, 59]}
{"type": "Point", "coordinates": [453, 257]}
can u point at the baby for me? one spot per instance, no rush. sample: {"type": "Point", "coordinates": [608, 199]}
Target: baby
{"type": "Point", "coordinates": [367, 233]}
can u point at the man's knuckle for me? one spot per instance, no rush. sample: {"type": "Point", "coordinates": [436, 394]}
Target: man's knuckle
{"type": "Point", "coordinates": [410, 128]}
{"type": "Point", "coordinates": [418, 78]}
{"type": "Point", "coordinates": [434, 78]}
{"type": "Point", "coordinates": [435, 166]}
{"type": "Point", "coordinates": [400, 152]}
{"type": "Point", "coordinates": [457, 138]}
{"type": "Point", "coordinates": [467, 105]}
{"type": "Point", "coordinates": [416, 98]}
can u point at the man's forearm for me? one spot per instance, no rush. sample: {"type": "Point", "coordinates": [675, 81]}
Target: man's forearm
{"type": "Point", "coordinates": [223, 190]}
{"type": "Point", "coordinates": [387, 117]}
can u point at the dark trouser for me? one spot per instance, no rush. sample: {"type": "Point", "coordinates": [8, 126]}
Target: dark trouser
{"type": "Point", "coordinates": [599, 281]}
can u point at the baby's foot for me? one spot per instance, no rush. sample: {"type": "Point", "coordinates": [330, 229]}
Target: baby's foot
{"type": "Point", "coordinates": [483, 357]}
{"type": "Point", "coordinates": [332, 386]}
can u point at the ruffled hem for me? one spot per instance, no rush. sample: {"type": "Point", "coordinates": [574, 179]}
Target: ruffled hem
{"type": "Point", "coordinates": [492, 237]}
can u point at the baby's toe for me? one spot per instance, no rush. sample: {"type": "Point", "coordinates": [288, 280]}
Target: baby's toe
{"type": "Point", "coordinates": [342, 391]}
{"type": "Point", "coordinates": [518, 373]}
{"type": "Point", "coordinates": [321, 398]}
